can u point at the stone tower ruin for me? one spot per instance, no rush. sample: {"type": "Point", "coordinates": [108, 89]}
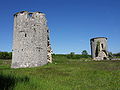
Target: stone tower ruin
{"type": "Point", "coordinates": [99, 48]}
{"type": "Point", "coordinates": [31, 44]}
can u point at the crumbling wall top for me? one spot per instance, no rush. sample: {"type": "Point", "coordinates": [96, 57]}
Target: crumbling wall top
{"type": "Point", "coordinates": [26, 12]}
{"type": "Point", "coordinates": [98, 38]}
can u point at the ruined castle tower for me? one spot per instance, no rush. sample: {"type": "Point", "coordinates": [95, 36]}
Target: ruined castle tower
{"type": "Point", "coordinates": [99, 48]}
{"type": "Point", "coordinates": [31, 45]}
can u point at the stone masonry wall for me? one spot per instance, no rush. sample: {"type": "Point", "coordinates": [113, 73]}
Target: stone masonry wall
{"type": "Point", "coordinates": [30, 41]}
{"type": "Point", "coordinates": [99, 48]}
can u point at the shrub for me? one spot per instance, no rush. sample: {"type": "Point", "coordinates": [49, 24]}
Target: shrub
{"type": "Point", "coordinates": [5, 55]}
{"type": "Point", "coordinates": [84, 52]}
{"type": "Point", "coordinates": [72, 55]}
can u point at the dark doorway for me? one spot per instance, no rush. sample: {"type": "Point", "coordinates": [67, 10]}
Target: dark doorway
{"type": "Point", "coordinates": [104, 58]}
{"type": "Point", "coordinates": [102, 46]}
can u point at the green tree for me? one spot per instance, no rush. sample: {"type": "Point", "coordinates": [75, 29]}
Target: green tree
{"type": "Point", "coordinates": [84, 52]}
{"type": "Point", "coordinates": [71, 55]}
{"type": "Point", "coordinates": [5, 55]}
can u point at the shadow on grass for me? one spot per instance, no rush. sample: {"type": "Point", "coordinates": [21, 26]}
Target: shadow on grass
{"type": "Point", "coordinates": [8, 82]}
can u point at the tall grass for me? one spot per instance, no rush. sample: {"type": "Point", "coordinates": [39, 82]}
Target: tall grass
{"type": "Point", "coordinates": [62, 74]}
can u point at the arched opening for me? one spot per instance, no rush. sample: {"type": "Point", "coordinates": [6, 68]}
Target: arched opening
{"type": "Point", "coordinates": [104, 58]}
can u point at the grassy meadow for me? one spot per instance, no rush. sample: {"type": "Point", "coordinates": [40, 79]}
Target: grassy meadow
{"type": "Point", "coordinates": [62, 74]}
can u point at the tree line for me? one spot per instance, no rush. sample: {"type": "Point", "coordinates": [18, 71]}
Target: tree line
{"type": "Point", "coordinates": [84, 54]}
{"type": "Point", "coordinates": [116, 55]}
{"type": "Point", "coordinates": [72, 55]}
{"type": "Point", "coordinates": [5, 55]}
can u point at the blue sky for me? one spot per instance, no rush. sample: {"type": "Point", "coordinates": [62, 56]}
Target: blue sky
{"type": "Point", "coordinates": [72, 22]}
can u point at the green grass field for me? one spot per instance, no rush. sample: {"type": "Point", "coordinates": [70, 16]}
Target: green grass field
{"type": "Point", "coordinates": [62, 74]}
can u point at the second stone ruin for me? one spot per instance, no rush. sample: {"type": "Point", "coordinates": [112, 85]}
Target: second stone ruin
{"type": "Point", "coordinates": [99, 48]}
